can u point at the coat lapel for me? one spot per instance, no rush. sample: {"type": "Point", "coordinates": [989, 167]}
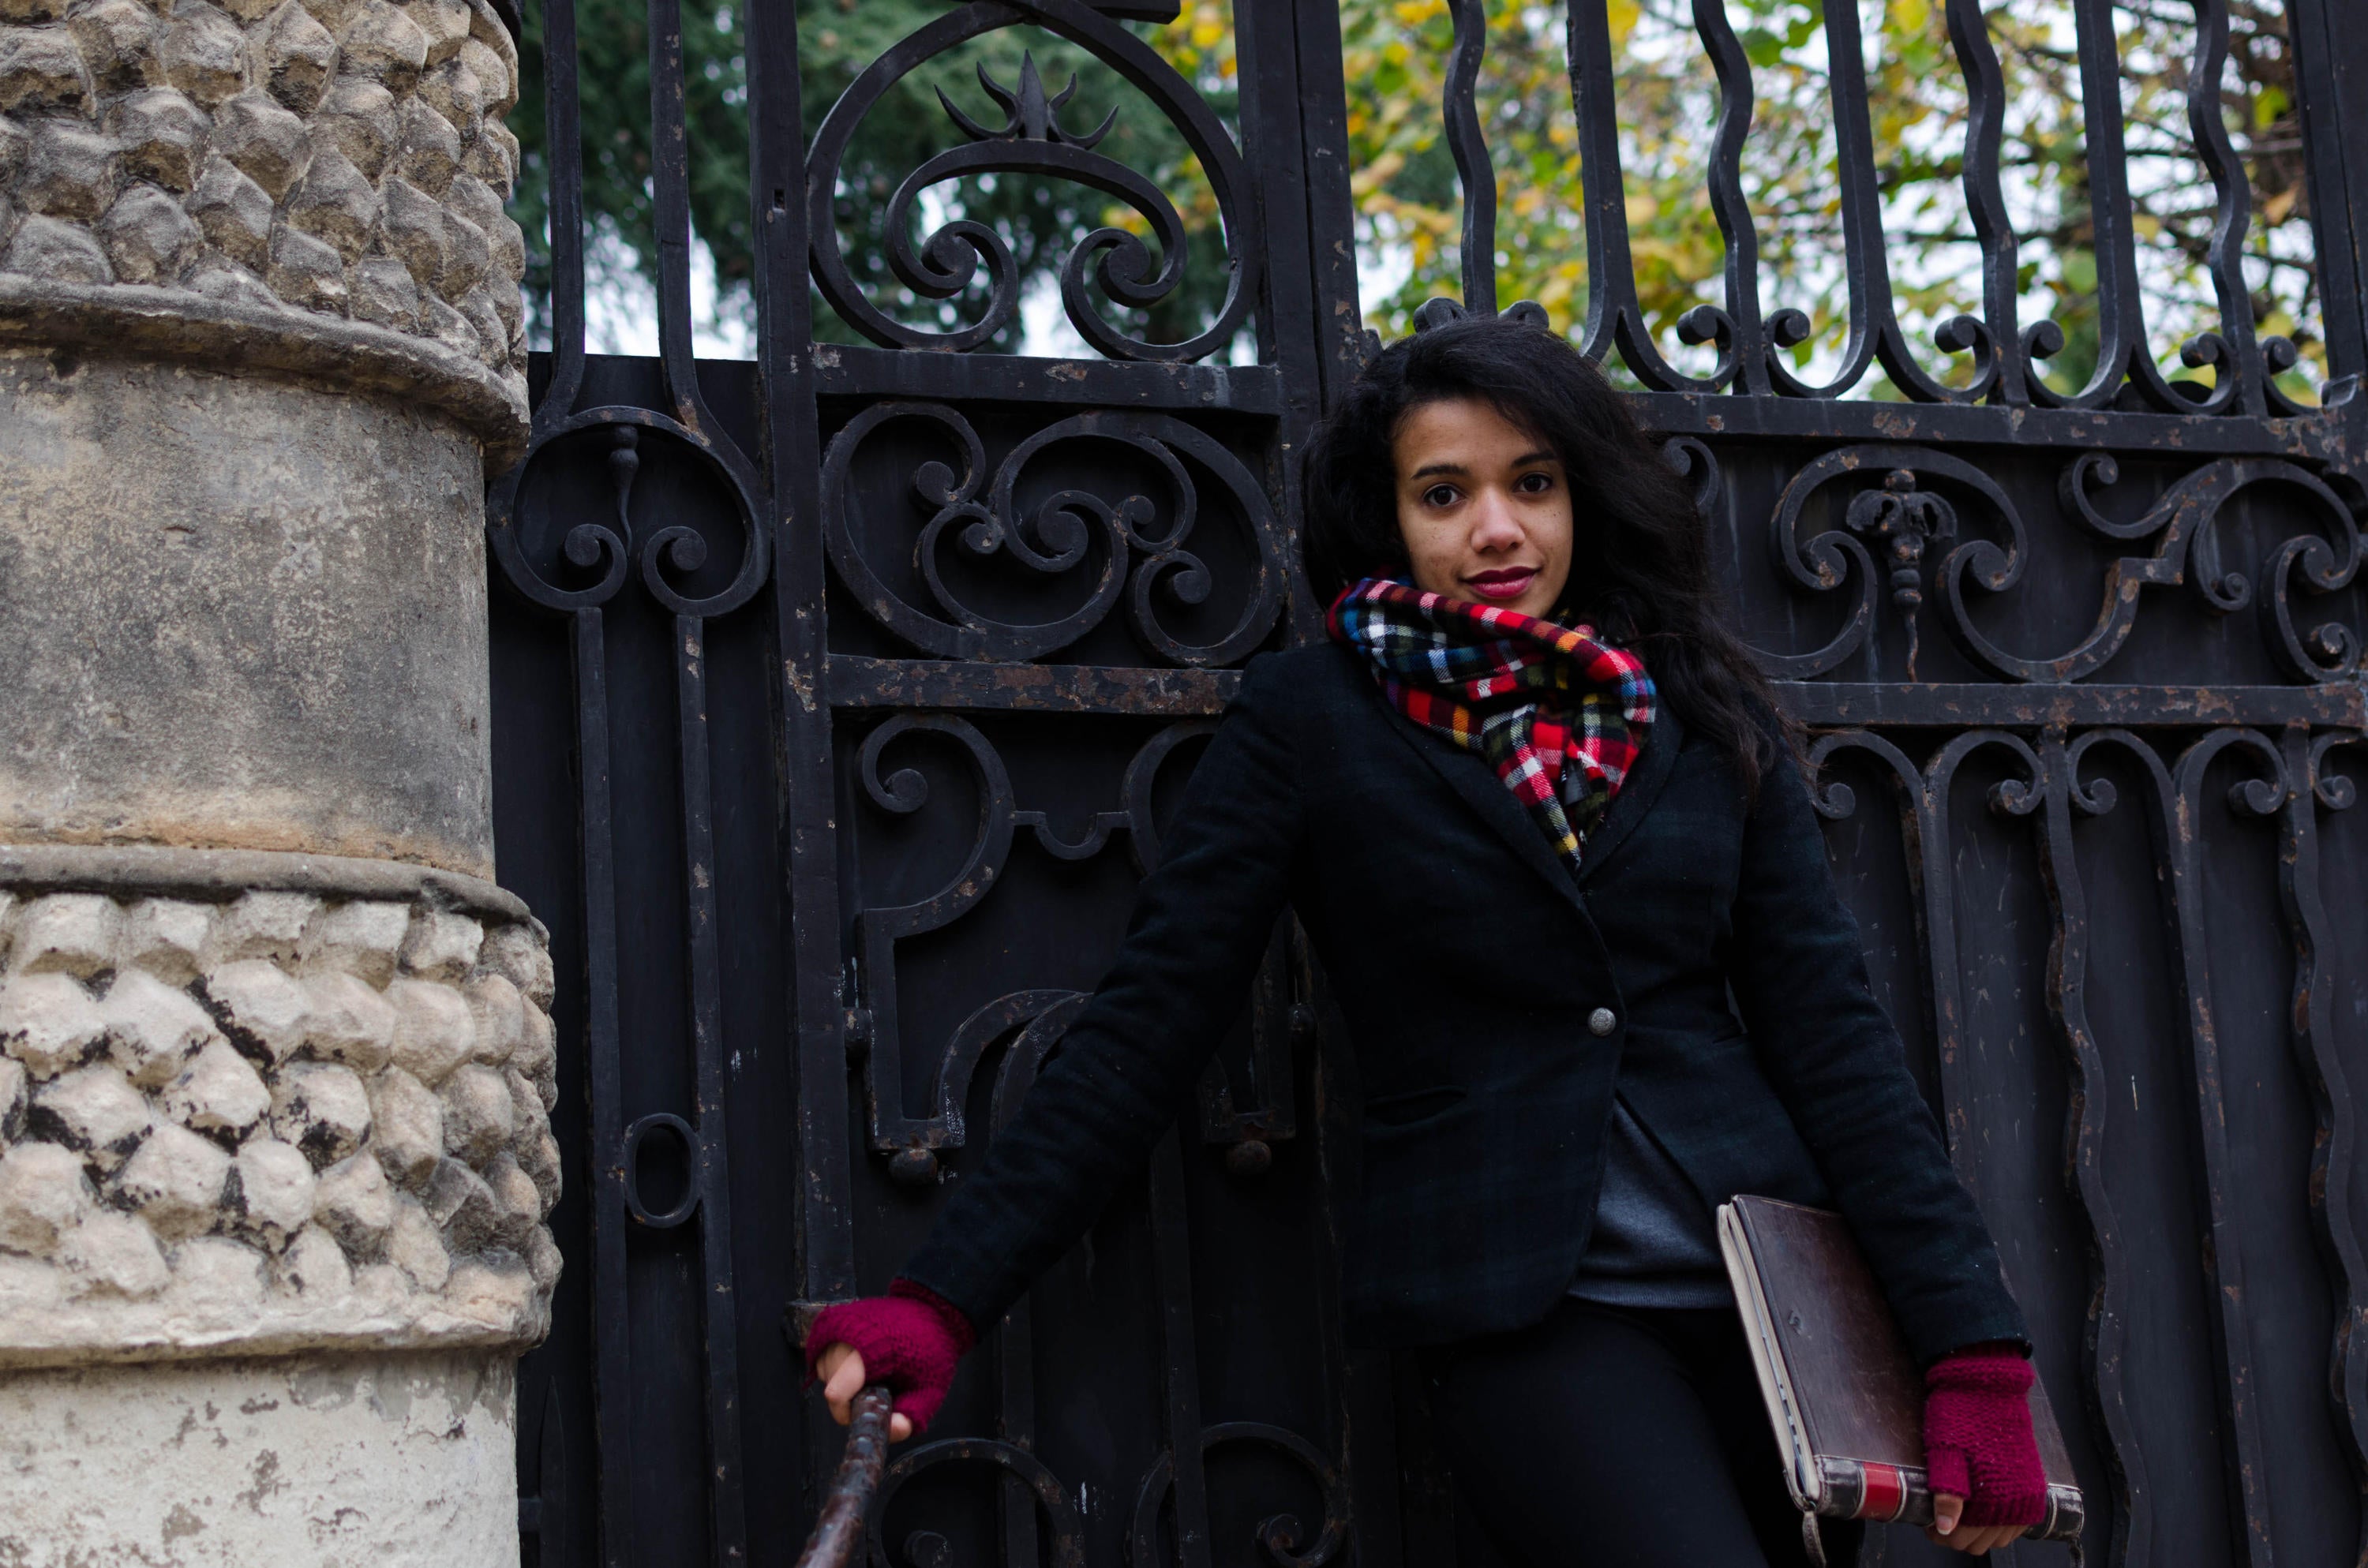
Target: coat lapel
{"type": "Point", "coordinates": [1470, 776]}
{"type": "Point", "coordinates": [1637, 791]}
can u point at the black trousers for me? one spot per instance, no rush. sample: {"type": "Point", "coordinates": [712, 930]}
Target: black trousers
{"type": "Point", "coordinates": [1620, 1438]}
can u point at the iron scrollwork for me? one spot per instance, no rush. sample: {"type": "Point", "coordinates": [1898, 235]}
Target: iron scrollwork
{"type": "Point", "coordinates": [1905, 518]}
{"type": "Point", "coordinates": [1071, 532]}
{"type": "Point", "coordinates": [1032, 141]}
{"type": "Point", "coordinates": [1031, 1019]}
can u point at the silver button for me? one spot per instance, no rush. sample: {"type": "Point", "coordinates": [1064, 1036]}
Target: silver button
{"type": "Point", "coordinates": [1602, 1022]}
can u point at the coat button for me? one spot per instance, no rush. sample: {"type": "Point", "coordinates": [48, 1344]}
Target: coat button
{"type": "Point", "coordinates": [1600, 1022]}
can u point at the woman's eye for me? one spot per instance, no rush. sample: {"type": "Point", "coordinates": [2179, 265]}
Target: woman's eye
{"type": "Point", "coordinates": [1439, 495]}
{"type": "Point", "coordinates": [1536, 483]}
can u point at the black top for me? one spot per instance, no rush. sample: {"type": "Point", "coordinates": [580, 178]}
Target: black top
{"type": "Point", "coordinates": [1469, 966]}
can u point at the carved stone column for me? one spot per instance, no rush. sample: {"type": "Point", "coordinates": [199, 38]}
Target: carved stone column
{"type": "Point", "coordinates": [276, 1066]}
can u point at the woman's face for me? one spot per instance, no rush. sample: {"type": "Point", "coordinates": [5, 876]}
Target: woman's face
{"type": "Point", "coordinates": [1484, 507]}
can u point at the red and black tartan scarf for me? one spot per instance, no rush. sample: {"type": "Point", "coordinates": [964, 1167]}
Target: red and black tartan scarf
{"type": "Point", "coordinates": [1558, 714]}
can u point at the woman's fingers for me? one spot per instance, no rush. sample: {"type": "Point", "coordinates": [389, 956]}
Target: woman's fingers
{"type": "Point", "coordinates": [841, 1369]}
{"type": "Point", "coordinates": [900, 1426]}
{"type": "Point", "coordinates": [1946, 1508]}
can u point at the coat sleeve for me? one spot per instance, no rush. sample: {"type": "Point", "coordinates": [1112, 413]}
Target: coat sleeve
{"type": "Point", "coordinates": [1800, 978]}
{"type": "Point", "coordinates": [1201, 922]}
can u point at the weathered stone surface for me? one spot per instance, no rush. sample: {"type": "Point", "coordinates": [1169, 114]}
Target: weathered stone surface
{"type": "Point", "coordinates": [235, 719]}
{"type": "Point", "coordinates": [235, 214]}
{"type": "Point", "coordinates": [306, 271]}
{"type": "Point", "coordinates": [149, 239]}
{"type": "Point", "coordinates": [204, 53]}
{"type": "Point", "coordinates": [381, 290]}
{"type": "Point", "coordinates": [322, 1108]}
{"type": "Point", "coordinates": [429, 153]}
{"type": "Point", "coordinates": [335, 203]}
{"type": "Point", "coordinates": [266, 1011]}
{"type": "Point", "coordinates": [276, 1190]}
{"type": "Point", "coordinates": [407, 1125]}
{"type": "Point", "coordinates": [263, 924]}
{"type": "Point", "coordinates": [441, 945]}
{"type": "Point", "coordinates": [69, 933]}
{"type": "Point", "coordinates": [167, 937]}
{"type": "Point", "coordinates": [70, 172]}
{"type": "Point", "coordinates": [298, 54]}
{"type": "Point", "coordinates": [515, 952]}
{"type": "Point", "coordinates": [349, 1021]}
{"type": "Point", "coordinates": [119, 40]}
{"type": "Point", "coordinates": [349, 1203]}
{"type": "Point", "coordinates": [266, 142]}
{"type": "Point", "coordinates": [361, 936]}
{"type": "Point", "coordinates": [50, 1023]}
{"type": "Point", "coordinates": [494, 158]}
{"type": "Point", "coordinates": [50, 248]}
{"type": "Point", "coordinates": [479, 1118]}
{"type": "Point", "coordinates": [444, 23]}
{"type": "Point", "coordinates": [327, 1462]}
{"type": "Point", "coordinates": [416, 1246]}
{"type": "Point", "coordinates": [358, 116]}
{"type": "Point", "coordinates": [175, 1181]}
{"type": "Point", "coordinates": [518, 1204]}
{"type": "Point", "coordinates": [219, 1092]}
{"type": "Point", "coordinates": [458, 1200]}
{"type": "Point", "coordinates": [354, 1203]}
{"type": "Point", "coordinates": [433, 1031]}
{"type": "Point", "coordinates": [160, 135]}
{"type": "Point", "coordinates": [41, 70]}
{"type": "Point", "coordinates": [95, 1112]}
{"type": "Point", "coordinates": [153, 1031]}
{"type": "Point", "coordinates": [114, 1254]}
{"type": "Point", "coordinates": [43, 1194]}
{"type": "Point", "coordinates": [383, 44]}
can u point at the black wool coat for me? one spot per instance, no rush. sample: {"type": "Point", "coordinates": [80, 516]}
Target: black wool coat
{"type": "Point", "coordinates": [1474, 973]}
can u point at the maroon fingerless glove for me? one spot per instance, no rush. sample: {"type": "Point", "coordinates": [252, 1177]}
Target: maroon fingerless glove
{"type": "Point", "coordinates": [910, 1340]}
{"type": "Point", "coordinates": [1977, 1441]}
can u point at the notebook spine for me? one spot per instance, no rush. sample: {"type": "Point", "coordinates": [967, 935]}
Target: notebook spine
{"type": "Point", "coordinates": [1897, 1493]}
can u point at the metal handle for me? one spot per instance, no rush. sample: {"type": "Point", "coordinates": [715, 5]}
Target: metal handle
{"type": "Point", "coordinates": [837, 1539]}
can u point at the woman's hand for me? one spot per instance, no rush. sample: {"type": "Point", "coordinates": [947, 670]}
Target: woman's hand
{"type": "Point", "coordinates": [1948, 1510]}
{"type": "Point", "coordinates": [1983, 1462]}
{"type": "Point", "coordinates": [908, 1340]}
{"type": "Point", "coordinates": [840, 1367]}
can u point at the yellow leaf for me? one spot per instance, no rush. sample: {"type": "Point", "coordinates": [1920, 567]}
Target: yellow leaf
{"type": "Point", "coordinates": [1623, 16]}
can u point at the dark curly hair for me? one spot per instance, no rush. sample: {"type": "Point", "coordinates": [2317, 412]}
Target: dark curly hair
{"type": "Point", "coordinates": [1641, 571]}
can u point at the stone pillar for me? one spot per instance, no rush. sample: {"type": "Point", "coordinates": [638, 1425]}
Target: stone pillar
{"type": "Point", "coordinates": [276, 1066]}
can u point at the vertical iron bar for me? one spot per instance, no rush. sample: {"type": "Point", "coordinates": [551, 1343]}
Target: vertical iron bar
{"type": "Point", "coordinates": [1867, 273]}
{"type": "Point", "coordinates": [1339, 319]}
{"type": "Point", "coordinates": [2225, 255]}
{"type": "Point", "coordinates": [1985, 131]}
{"type": "Point", "coordinates": [2084, 1132]}
{"type": "Point", "coordinates": [2181, 843]}
{"type": "Point", "coordinates": [2332, 90]}
{"type": "Point", "coordinates": [822, 1201]}
{"type": "Point", "coordinates": [612, 1380]}
{"type": "Point", "coordinates": [719, 1307]}
{"type": "Point", "coordinates": [1615, 317]}
{"type": "Point", "coordinates": [1179, 1367]}
{"type": "Point", "coordinates": [564, 150]}
{"type": "Point", "coordinates": [1460, 113]}
{"type": "Point", "coordinates": [670, 213]}
{"type": "Point", "coordinates": [2335, 1151]}
{"type": "Point", "coordinates": [1748, 341]}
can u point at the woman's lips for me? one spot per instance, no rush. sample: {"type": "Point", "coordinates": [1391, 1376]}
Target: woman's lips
{"type": "Point", "coordinates": [1502, 585]}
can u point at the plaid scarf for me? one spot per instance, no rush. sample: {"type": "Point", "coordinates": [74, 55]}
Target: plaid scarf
{"type": "Point", "coordinates": [1559, 715]}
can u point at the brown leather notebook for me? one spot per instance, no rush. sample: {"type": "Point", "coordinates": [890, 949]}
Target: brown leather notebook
{"type": "Point", "coordinates": [1845, 1396]}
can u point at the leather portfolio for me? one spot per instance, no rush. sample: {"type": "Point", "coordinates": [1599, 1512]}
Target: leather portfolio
{"type": "Point", "coordinates": [1845, 1396]}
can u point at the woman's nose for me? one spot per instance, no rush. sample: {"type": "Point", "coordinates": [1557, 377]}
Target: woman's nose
{"type": "Point", "coordinates": [1494, 525]}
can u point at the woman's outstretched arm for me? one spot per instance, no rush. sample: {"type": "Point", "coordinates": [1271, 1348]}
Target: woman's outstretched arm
{"type": "Point", "coordinates": [1200, 925]}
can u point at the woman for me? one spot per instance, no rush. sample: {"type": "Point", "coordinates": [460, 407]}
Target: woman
{"type": "Point", "coordinates": [1534, 808]}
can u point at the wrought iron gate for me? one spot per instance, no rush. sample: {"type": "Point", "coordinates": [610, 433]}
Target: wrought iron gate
{"type": "Point", "coordinates": [839, 696]}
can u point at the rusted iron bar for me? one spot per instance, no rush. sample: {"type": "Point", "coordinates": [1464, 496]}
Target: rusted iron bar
{"type": "Point", "coordinates": [837, 1539]}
